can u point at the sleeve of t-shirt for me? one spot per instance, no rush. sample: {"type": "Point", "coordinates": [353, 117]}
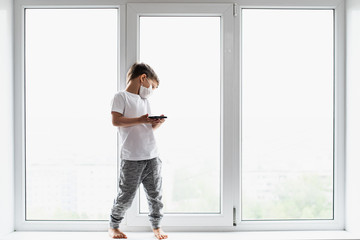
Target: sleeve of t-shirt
{"type": "Point", "coordinates": [118, 103]}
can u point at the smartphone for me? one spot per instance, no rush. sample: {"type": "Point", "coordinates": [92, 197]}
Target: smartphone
{"type": "Point", "coordinates": [157, 117]}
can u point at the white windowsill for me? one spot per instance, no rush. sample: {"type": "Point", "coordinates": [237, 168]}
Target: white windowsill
{"type": "Point", "coordinates": [288, 235]}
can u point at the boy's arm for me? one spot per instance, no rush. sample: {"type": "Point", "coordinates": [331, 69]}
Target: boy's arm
{"type": "Point", "coordinates": [118, 120]}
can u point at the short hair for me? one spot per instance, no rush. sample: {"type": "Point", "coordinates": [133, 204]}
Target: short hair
{"type": "Point", "coordinates": [138, 69]}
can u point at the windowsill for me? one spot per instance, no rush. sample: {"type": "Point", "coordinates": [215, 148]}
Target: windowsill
{"type": "Point", "coordinates": [279, 235]}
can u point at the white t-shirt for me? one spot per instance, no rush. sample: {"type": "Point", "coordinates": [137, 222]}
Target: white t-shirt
{"type": "Point", "coordinates": [137, 142]}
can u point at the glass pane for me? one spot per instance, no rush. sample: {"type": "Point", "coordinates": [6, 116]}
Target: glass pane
{"type": "Point", "coordinates": [71, 70]}
{"type": "Point", "coordinates": [185, 52]}
{"type": "Point", "coordinates": [287, 114]}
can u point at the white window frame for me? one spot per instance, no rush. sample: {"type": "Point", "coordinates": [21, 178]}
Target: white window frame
{"type": "Point", "coordinates": [228, 116]}
{"type": "Point", "coordinates": [338, 223]}
{"type": "Point", "coordinates": [231, 110]}
{"type": "Point", "coordinates": [19, 86]}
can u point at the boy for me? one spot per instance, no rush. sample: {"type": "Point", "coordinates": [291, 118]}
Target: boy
{"type": "Point", "coordinates": [140, 162]}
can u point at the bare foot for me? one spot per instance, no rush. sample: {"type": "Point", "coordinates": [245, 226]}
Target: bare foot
{"type": "Point", "coordinates": [159, 233]}
{"type": "Point", "coordinates": [115, 233]}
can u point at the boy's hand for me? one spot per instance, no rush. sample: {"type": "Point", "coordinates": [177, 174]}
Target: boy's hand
{"type": "Point", "coordinates": [157, 122]}
{"type": "Point", "coordinates": [145, 119]}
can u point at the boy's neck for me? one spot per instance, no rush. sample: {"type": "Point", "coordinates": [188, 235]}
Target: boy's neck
{"type": "Point", "coordinates": [133, 87]}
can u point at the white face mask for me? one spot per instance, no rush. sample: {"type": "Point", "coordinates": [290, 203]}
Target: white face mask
{"type": "Point", "coordinates": [145, 92]}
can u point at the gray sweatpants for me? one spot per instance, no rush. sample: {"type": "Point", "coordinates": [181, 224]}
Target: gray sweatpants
{"type": "Point", "coordinates": [132, 173]}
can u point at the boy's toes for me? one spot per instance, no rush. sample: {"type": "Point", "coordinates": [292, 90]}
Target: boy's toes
{"type": "Point", "coordinates": [121, 235]}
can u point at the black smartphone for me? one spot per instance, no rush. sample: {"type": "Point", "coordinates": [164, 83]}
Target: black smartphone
{"type": "Point", "coordinates": [157, 117]}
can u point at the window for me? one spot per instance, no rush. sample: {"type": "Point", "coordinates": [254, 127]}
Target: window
{"type": "Point", "coordinates": [70, 72]}
{"type": "Point", "coordinates": [190, 81]}
{"type": "Point", "coordinates": [287, 114]}
{"type": "Point", "coordinates": [184, 44]}
{"type": "Point", "coordinates": [254, 96]}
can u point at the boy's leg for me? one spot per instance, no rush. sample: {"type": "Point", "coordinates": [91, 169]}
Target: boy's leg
{"type": "Point", "coordinates": [152, 182]}
{"type": "Point", "coordinates": [130, 178]}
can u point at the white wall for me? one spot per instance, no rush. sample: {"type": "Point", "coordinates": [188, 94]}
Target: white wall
{"type": "Point", "coordinates": [353, 115]}
{"type": "Point", "coordinates": [6, 118]}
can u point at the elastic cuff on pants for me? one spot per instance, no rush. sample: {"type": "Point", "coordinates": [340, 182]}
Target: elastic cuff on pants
{"type": "Point", "coordinates": [114, 225]}
{"type": "Point", "coordinates": [155, 225]}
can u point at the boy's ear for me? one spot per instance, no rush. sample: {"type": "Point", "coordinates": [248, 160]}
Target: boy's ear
{"type": "Point", "coordinates": [142, 77]}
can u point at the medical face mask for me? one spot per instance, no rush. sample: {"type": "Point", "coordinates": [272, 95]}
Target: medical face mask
{"type": "Point", "coordinates": [145, 92]}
